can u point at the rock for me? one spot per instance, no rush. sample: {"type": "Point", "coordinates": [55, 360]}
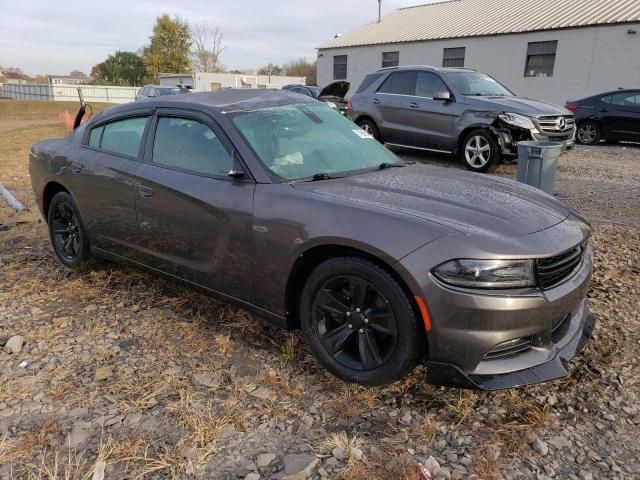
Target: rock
{"type": "Point", "coordinates": [132, 420]}
{"type": "Point", "coordinates": [441, 473]}
{"type": "Point", "coordinates": [357, 454]}
{"type": "Point", "coordinates": [78, 412]}
{"type": "Point", "coordinates": [431, 465]}
{"type": "Point", "coordinates": [265, 459]}
{"type": "Point", "coordinates": [102, 373]}
{"type": "Point", "coordinates": [263, 393]}
{"type": "Point", "coordinates": [585, 475]}
{"type": "Point", "coordinates": [7, 412]}
{"type": "Point", "coordinates": [205, 380]}
{"type": "Point", "coordinates": [299, 466]}
{"type": "Point", "coordinates": [78, 434]}
{"type": "Point", "coordinates": [339, 453]}
{"type": "Point", "coordinates": [252, 476]}
{"type": "Point", "coordinates": [98, 471]}
{"type": "Point", "coordinates": [540, 447]}
{"type": "Point", "coordinates": [14, 344]}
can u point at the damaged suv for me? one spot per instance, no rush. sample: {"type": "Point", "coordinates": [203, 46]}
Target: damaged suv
{"type": "Point", "coordinates": [455, 110]}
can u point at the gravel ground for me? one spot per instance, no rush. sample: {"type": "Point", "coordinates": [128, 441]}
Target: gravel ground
{"type": "Point", "coordinates": [121, 372]}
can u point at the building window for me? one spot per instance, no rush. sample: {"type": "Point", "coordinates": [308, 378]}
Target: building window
{"type": "Point", "coordinates": [541, 57]}
{"type": "Point", "coordinates": [340, 67]}
{"type": "Point", "coordinates": [390, 59]}
{"type": "Point", "coordinates": [453, 57]}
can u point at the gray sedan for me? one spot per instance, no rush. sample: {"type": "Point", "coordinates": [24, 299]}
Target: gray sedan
{"type": "Point", "coordinates": [279, 204]}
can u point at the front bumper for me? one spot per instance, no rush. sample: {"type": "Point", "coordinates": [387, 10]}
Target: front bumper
{"type": "Point", "coordinates": [470, 328]}
{"type": "Point", "coordinates": [510, 137]}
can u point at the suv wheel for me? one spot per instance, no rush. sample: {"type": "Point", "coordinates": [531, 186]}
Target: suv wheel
{"type": "Point", "coordinates": [589, 133]}
{"type": "Point", "coordinates": [370, 127]}
{"type": "Point", "coordinates": [359, 323]}
{"type": "Point", "coordinates": [67, 232]}
{"type": "Point", "coordinates": [479, 150]}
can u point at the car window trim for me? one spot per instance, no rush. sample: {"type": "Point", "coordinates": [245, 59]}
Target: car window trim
{"type": "Point", "coordinates": [138, 113]}
{"type": "Point", "coordinates": [215, 127]}
{"type": "Point", "coordinates": [399, 72]}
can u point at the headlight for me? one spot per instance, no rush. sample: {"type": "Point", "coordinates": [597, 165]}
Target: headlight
{"type": "Point", "coordinates": [332, 105]}
{"type": "Point", "coordinates": [487, 273]}
{"type": "Point", "coordinates": [517, 120]}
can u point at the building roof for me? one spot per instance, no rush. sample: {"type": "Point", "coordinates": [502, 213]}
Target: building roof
{"type": "Point", "coordinates": [473, 18]}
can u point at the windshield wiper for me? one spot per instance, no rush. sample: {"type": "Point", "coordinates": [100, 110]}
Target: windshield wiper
{"type": "Point", "coordinates": [321, 176]}
{"type": "Point", "coordinates": [385, 165]}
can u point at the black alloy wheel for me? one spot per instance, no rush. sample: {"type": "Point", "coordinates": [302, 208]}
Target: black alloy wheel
{"type": "Point", "coordinates": [360, 323]}
{"type": "Point", "coordinates": [66, 231]}
{"type": "Point", "coordinates": [354, 322]}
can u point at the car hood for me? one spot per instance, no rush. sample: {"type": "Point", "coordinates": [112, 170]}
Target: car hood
{"type": "Point", "coordinates": [335, 89]}
{"type": "Point", "coordinates": [521, 105]}
{"type": "Point", "coordinates": [466, 202]}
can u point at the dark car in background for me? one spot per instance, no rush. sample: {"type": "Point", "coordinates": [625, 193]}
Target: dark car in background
{"type": "Point", "coordinates": [454, 110]}
{"type": "Point", "coordinates": [612, 116]}
{"type": "Point", "coordinates": [333, 94]}
{"type": "Point", "coordinates": [279, 204]}
{"type": "Point", "coordinates": [152, 91]}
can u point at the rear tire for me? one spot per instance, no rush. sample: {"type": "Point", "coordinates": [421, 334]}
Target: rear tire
{"type": "Point", "coordinates": [370, 127]}
{"type": "Point", "coordinates": [359, 323]}
{"type": "Point", "coordinates": [589, 133]}
{"type": "Point", "coordinates": [66, 231]}
{"type": "Point", "coordinates": [479, 150]}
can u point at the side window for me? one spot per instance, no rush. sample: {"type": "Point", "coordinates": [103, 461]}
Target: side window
{"type": "Point", "coordinates": [427, 84]}
{"type": "Point", "coordinates": [190, 145]}
{"type": "Point", "coordinates": [94, 136]}
{"type": "Point", "coordinates": [399, 83]}
{"type": "Point", "coordinates": [606, 99]}
{"type": "Point", "coordinates": [123, 136]}
{"type": "Point", "coordinates": [626, 99]}
{"type": "Point", "coordinates": [368, 81]}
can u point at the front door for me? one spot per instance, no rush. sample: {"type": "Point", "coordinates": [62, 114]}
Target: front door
{"type": "Point", "coordinates": [195, 221]}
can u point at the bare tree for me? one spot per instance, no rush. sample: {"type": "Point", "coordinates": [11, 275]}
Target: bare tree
{"type": "Point", "coordinates": [206, 48]}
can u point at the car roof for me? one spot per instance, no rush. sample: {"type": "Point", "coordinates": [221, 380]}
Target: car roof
{"type": "Point", "coordinates": [224, 100]}
{"type": "Point", "coordinates": [427, 68]}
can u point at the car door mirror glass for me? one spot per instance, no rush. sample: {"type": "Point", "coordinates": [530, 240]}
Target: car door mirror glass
{"type": "Point", "coordinates": [442, 96]}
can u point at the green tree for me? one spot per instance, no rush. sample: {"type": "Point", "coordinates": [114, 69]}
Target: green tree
{"type": "Point", "coordinates": [121, 68]}
{"type": "Point", "coordinates": [169, 47]}
{"type": "Point", "coordinates": [270, 69]}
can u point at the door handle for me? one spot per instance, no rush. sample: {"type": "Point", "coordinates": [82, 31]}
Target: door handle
{"type": "Point", "coordinates": [144, 191]}
{"type": "Point", "coordinates": [376, 101]}
{"type": "Point", "coordinates": [603, 110]}
{"type": "Point", "coordinates": [76, 168]}
{"type": "Point", "coordinates": [413, 105]}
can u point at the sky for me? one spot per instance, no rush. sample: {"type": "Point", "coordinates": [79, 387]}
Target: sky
{"type": "Point", "coordinates": [56, 37]}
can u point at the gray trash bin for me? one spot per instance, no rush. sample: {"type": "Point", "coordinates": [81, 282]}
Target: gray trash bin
{"type": "Point", "coordinates": [537, 164]}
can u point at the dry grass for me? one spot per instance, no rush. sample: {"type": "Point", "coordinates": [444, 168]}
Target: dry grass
{"type": "Point", "coordinates": [348, 400]}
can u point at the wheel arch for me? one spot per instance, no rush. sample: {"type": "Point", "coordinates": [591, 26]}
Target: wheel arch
{"type": "Point", "coordinates": [314, 256]}
{"type": "Point", "coordinates": [50, 190]}
{"type": "Point", "coordinates": [477, 126]}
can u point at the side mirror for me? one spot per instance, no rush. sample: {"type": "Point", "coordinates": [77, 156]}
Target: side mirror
{"type": "Point", "coordinates": [443, 96]}
{"type": "Point", "coordinates": [236, 174]}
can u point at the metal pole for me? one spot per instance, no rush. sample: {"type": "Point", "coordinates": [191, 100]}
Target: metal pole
{"type": "Point", "coordinates": [379, 11]}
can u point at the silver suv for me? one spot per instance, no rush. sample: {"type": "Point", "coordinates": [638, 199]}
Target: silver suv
{"type": "Point", "coordinates": [454, 110]}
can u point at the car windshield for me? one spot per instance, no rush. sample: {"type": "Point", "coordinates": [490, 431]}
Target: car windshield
{"type": "Point", "coordinates": [299, 141]}
{"type": "Point", "coordinates": [315, 91]}
{"type": "Point", "coordinates": [477, 84]}
{"type": "Point", "coordinates": [168, 91]}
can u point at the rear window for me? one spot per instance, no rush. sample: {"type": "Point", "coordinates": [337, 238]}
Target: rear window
{"type": "Point", "coordinates": [123, 136]}
{"type": "Point", "coordinates": [368, 81]}
{"type": "Point", "coordinates": [399, 83]}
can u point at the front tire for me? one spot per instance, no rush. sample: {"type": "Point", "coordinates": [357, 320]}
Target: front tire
{"type": "Point", "coordinates": [479, 151]}
{"type": "Point", "coordinates": [370, 127]}
{"type": "Point", "coordinates": [359, 322]}
{"type": "Point", "coordinates": [66, 231]}
{"type": "Point", "coordinates": [589, 133]}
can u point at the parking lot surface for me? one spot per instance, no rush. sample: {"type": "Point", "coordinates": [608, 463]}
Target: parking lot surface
{"type": "Point", "coordinates": [123, 370]}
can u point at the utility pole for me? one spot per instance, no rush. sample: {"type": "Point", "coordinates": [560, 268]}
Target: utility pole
{"type": "Point", "coordinates": [379, 11]}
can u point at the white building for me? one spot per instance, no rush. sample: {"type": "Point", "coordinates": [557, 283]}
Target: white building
{"type": "Point", "coordinates": [555, 50]}
{"type": "Point", "coordinates": [207, 82]}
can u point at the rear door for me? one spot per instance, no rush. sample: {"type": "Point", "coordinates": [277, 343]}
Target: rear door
{"type": "Point", "coordinates": [430, 120]}
{"type": "Point", "coordinates": [195, 220]}
{"type": "Point", "coordinates": [104, 193]}
{"type": "Point", "coordinates": [620, 115]}
{"type": "Point", "coordinates": [392, 100]}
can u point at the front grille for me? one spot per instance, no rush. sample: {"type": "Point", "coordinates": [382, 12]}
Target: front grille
{"type": "Point", "coordinates": [509, 348]}
{"type": "Point", "coordinates": [555, 124]}
{"type": "Point", "coordinates": [553, 270]}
